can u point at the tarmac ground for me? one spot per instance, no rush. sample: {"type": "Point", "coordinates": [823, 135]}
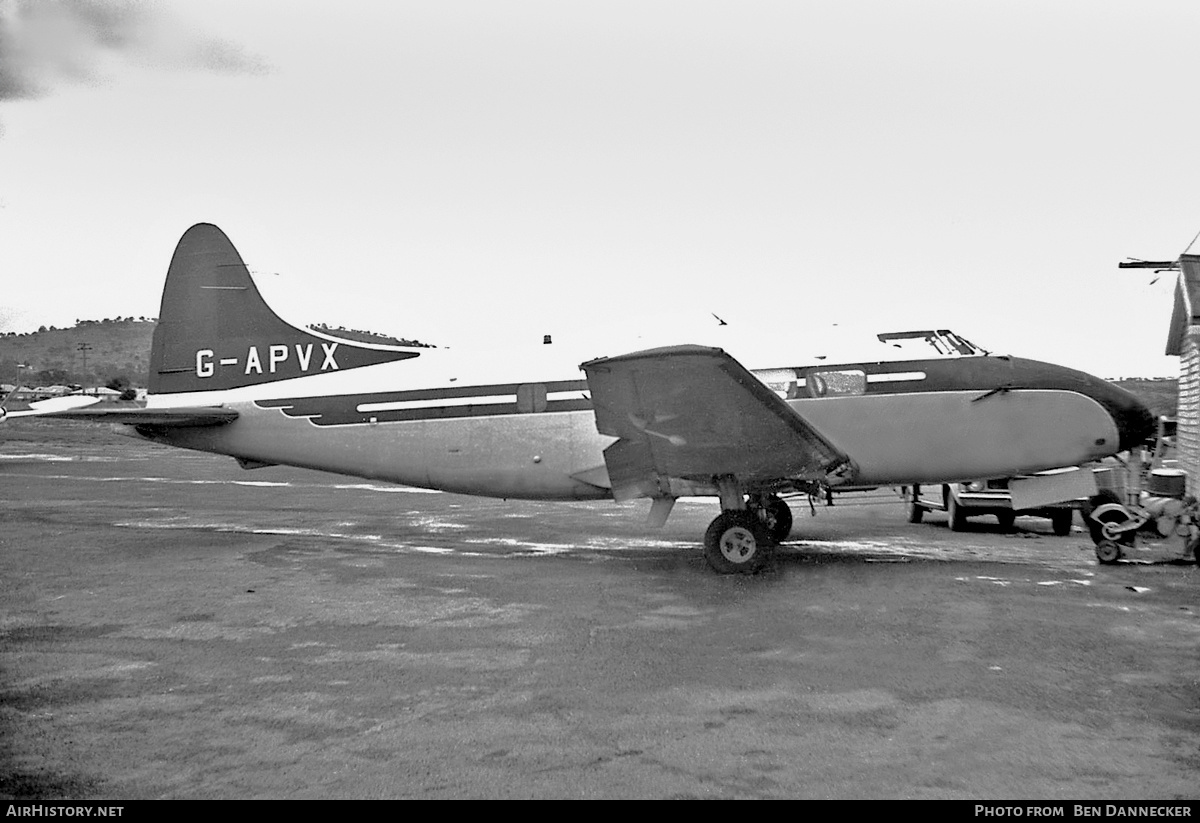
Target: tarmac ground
{"type": "Point", "coordinates": [172, 626]}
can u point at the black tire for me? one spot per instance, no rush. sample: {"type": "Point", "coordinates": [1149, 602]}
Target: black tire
{"type": "Point", "coordinates": [735, 543]}
{"type": "Point", "coordinates": [915, 510]}
{"type": "Point", "coordinates": [1096, 530]}
{"type": "Point", "coordinates": [1006, 520]}
{"type": "Point", "coordinates": [1108, 552]}
{"type": "Point", "coordinates": [956, 515]}
{"type": "Point", "coordinates": [774, 517]}
{"type": "Point", "coordinates": [1060, 522]}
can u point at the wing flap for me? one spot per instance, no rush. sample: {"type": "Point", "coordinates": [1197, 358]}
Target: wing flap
{"type": "Point", "coordinates": [694, 413]}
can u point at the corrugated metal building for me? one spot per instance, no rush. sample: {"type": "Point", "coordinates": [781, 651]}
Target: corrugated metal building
{"type": "Point", "coordinates": [1184, 342]}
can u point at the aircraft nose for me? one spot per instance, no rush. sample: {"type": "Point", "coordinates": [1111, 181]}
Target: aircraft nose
{"type": "Point", "coordinates": [1135, 422]}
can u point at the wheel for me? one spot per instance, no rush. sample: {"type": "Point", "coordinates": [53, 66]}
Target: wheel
{"type": "Point", "coordinates": [956, 514]}
{"type": "Point", "coordinates": [1006, 520]}
{"type": "Point", "coordinates": [774, 517]}
{"type": "Point", "coordinates": [1108, 551]}
{"type": "Point", "coordinates": [735, 542]}
{"type": "Point", "coordinates": [1096, 530]}
{"type": "Point", "coordinates": [1060, 522]}
{"type": "Point", "coordinates": [915, 510]}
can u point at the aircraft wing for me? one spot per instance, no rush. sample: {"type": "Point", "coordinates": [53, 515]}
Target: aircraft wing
{"type": "Point", "coordinates": [695, 413]}
{"type": "Point", "coordinates": [77, 407]}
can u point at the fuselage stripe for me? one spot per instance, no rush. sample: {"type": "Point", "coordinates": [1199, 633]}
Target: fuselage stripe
{"type": "Point", "coordinates": [343, 411]}
{"type": "Point", "coordinates": [436, 402]}
{"type": "Point", "coordinates": [892, 377]}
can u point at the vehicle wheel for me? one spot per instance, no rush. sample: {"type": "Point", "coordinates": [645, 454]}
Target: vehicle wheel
{"type": "Point", "coordinates": [1108, 551]}
{"type": "Point", "coordinates": [956, 514]}
{"type": "Point", "coordinates": [1006, 520]}
{"type": "Point", "coordinates": [1061, 522]}
{"type": "Point", "coordinates": [1094, 502]}
{"type": "Point", "coordinates": [1097, 529]}
{"type": "Point", "coordinates": [774, 517]}
{"type": "Point", "coordinates": [734, 543]}
{"type": "Point", "coordinates": [915, 510]}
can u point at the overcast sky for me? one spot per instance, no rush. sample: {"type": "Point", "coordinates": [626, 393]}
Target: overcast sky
{"type": "Point", "coordinates": [481, 170]}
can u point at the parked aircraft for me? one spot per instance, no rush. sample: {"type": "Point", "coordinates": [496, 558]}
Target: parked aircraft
{"type": "Point", "coordinates": [229, 376]}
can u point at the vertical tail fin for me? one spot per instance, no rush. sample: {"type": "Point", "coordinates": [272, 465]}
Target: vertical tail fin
{"type": "Point", "coordinates": [215, 331]}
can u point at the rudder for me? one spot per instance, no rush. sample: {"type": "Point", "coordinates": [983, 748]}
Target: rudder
{"type": "Point", "coordinates": [216, 332]}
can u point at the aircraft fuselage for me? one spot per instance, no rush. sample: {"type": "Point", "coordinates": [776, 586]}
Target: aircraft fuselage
{"type": "Point", "coordinates": [918, 421]}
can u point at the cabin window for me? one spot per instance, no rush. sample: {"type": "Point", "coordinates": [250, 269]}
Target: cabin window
{"type": "Point", "coordinates": [839, 383]}
{"type": "Point", "coordinates": [531, 397]}
{"type": "Point", "coordinates": [781, 381]}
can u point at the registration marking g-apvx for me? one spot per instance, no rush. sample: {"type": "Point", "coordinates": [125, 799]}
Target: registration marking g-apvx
{"type": "Point", "coordinates": [277, 354]}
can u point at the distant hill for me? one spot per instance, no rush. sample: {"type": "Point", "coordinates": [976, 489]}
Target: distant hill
{"type": "Point", "coordinates": [111, 348]}
{"type": "Point", "coordinates": [95, 352]}
{"type": "Point", "coordinates": [120, 348]}
{"type": "Point", "coordinates": [361, 336]}
{"type": "Point", "coordinates": [1161, 394]}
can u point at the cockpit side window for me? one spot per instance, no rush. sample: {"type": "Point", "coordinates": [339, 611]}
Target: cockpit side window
{"type": "Point", "coordinates": [943, 341]}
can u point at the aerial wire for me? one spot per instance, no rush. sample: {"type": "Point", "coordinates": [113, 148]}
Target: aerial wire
{"type": "Point", "coordinates": [1189, 245]}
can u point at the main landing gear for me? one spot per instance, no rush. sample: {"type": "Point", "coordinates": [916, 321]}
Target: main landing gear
{"type": "Point", "coordinates": [737, 541]}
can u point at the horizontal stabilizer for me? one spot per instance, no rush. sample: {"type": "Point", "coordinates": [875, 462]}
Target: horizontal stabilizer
{"type": "Point", "coordinates": [167, 418]}
{"type": "Point", "coordinates": [55, 404]}
{"type": "Point", "coordinates": [41, 408]}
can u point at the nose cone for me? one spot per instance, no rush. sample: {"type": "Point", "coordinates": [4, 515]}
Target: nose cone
{"type": "Point", "coordinates": [1135, 422]}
